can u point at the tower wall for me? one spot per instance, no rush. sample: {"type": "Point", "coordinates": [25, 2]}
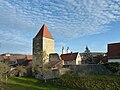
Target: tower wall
{"type": "Point", "coordinates": [37, 45]}
{"type": "Point", "coordinates": [37, 48]}
{"type": "Point", "coordinates": [48, 45]}
{"type": "Point", "coordinates": [43, 43]}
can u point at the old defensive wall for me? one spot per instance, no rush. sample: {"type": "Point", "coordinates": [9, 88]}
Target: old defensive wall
{"type": "Point", "coordinates": [86, 69]}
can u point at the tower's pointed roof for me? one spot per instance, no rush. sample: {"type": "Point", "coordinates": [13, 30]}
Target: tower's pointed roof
{"type": "Point", "coordinates": [44, 32]}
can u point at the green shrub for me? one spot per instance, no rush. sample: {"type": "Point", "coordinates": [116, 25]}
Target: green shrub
{"type": "Point", "coordinates": [113, 66]}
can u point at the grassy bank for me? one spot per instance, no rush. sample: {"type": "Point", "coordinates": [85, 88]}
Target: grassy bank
{"type": "Point", "coordinates": [22, 83]}
{"type": "Point", "coordinates": [66, 82]}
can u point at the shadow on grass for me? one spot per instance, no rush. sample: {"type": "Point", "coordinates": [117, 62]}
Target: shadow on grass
{"type": "Point", "coordinates": [22, 87]}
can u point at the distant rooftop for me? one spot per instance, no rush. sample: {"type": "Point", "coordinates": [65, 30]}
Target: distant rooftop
{"type": "Point", "coordinates": [69, 56]}
{"type": "Point", "coordinates": [114, 43]}
{"type": "Point", "coordinates": [15, 56]}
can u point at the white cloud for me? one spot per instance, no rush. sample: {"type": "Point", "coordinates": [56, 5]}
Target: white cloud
{"type": "Point", "coordinates": [21, 19]}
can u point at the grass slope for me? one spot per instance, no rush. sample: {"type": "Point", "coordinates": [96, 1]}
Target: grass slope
{"type": "Point", "coordinates": [22, 83]}
{"type": "Point", "coordinates": [82, 82]}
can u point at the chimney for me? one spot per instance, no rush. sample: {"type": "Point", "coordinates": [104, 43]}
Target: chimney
{"type": "Point", "coordinates": [68, 51]}
{"type": "Point", "coordinates": [63, 51]}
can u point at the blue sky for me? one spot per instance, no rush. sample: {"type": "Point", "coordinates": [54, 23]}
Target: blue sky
{"type": "Point", "coordinates": [73, 23]}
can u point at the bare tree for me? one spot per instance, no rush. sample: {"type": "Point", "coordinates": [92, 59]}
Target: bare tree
{"type": "Point", "coordinates": [4, 69]}
{"type": "Point", "coordinates": [21, 70]}
{"type": "Point", "coordinates": [39, 64]}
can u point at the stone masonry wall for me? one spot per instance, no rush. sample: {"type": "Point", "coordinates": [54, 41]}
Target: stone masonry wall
{"type": "Point", "coordinates": [89, 69]}
{"type": "Point", "coordinates": [48, 45]}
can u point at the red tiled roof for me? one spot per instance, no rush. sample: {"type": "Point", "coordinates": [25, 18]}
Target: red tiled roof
{"type": "Point", "coordinates": [16, 57]}
{"type": "Point", "coordinates": [29, 57]}
{"type": "Point", "coordinates": [69, 56]}
{"type": "Point", "coordinates": [1, 58]}
{"type": "Point", "coordinates": [54, 64]}
{"type": "Point", "coordinates": [44, 32]}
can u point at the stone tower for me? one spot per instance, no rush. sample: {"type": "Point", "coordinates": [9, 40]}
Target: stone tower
{"type": "Point", "coordinates": [43, 41]}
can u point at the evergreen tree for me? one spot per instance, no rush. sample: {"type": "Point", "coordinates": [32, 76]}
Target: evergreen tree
{"type": "Point", "coordinates": [87, 56]}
